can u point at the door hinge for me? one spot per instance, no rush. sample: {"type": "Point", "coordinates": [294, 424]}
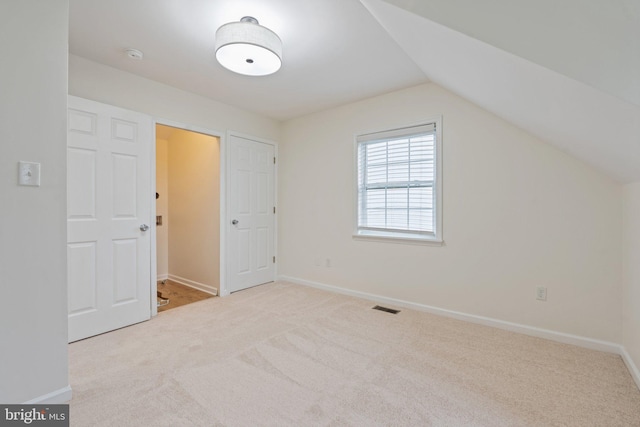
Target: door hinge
{"type": "Point", "coordinates": [274, 160]}
{"type": "Point", "coordinates": [274, 209]}
{"type": "Point", "coordinates": [274, 259]}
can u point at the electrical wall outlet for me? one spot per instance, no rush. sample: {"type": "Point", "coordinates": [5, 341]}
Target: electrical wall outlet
{"type": "Point", "coordinates": [541, 293]}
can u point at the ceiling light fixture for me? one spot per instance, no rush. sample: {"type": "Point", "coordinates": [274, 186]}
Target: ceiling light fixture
{"type": "Point", "coordinates": [245, 47]}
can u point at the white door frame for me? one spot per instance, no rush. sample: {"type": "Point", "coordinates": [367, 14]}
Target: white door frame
{"type": "Point", "coordinates": [224, 290]}
{"type": "Point", "coordinates": [154, 260]}
{"type": "Point", "coordinates": [223, 204]}
{"type": "Point", "coordinates": [224, 159]}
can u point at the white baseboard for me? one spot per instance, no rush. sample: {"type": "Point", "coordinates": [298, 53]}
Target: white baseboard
{"type": "Point", "coordinates": [161, 277]}
{"type": "Point", "coordinates": [199, 286]}
{"type": "Point", "coordinates": [54, 398]}
{"type": "Point", "coordinates": [633, 369]}
{"type": "Point", "coordinates": [562, 337]}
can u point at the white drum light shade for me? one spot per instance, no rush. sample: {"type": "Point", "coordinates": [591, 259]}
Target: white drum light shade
{"type": "Point", "coordinates": [248, 48]}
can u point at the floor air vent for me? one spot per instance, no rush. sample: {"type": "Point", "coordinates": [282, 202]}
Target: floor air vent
{"type": "Point", "coordinates": [386, 309]}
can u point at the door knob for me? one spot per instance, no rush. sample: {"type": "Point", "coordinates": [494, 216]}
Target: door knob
{"type": "Point", "coordinates": [144, 227]}
{"type": "Point", "coordinates": [234, 222]}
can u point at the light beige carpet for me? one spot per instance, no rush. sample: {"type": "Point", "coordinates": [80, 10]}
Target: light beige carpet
{"type": "Point", "coordinates": [287, 355]}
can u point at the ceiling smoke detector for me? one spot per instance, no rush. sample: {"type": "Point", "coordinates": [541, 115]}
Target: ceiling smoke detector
{"type": "Point", "coordinates": [134, 54]}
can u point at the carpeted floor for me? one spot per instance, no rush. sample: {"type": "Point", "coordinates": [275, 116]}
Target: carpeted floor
{"type": "Point", "coordinates": [288, 355]}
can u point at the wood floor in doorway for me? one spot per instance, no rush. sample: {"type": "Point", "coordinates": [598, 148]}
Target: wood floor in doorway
{"type": "Point", "coordinates": [179, 295]}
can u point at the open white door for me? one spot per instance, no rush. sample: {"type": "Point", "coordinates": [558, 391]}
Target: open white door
{"type": "Point", "coordinates": [251, 213]}
{"type": "Point", "coordinates": [108, 217]}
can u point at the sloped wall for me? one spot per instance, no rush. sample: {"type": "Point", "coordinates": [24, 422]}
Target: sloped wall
{"type": "Point", "coordinates": [544, 31]}
{"type": "Point", "coordinates": [518, 213]}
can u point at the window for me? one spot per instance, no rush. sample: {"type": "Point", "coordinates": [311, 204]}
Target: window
{"type": "Point", "coordinates": [399, 183]}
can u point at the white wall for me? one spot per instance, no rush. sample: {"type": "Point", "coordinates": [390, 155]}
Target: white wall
{"type": "Point", "coordinates": [194, 209]}
{"type": "Point", "coordinates": [518, 213]}
{"type": "Point", "coordinates": [162, 208]}
{"type": "Point", "coordinates": [33, 302]}
{"type": "Point", "coordinates": [631, 293]}
{"type": "Point", "coordinates": [88, 79]}
{"type": "Point", "coordinates": [94, 81]}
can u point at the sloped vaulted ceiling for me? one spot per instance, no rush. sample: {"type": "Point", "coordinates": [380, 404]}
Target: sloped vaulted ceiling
{"type": "Point", "coordinates": [566, 71]}
{"type": "Point", "coordinates": [540, 69]}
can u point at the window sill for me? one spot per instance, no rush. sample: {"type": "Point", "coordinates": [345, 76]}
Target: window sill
{"type": "Point", "coordinates": [397, 238]}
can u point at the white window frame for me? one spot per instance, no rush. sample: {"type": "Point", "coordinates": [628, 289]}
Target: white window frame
{"type": "Point", "coordinates": [396, 236]}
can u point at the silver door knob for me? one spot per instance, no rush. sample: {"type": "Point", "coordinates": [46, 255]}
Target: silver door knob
{"type": "Point", "coordinates": [234, 222]}
{"type": "Point", "coordinates": [144, 227]}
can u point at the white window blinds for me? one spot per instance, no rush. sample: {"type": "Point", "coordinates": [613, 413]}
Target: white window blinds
{"type": "Point", "coordinates": [396, 181]}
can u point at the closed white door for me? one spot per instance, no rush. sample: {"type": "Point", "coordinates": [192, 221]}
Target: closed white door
{"type": "Point", "coordinates": [251, 213]}
{"type": "Point", "coordinates": [108, 217]}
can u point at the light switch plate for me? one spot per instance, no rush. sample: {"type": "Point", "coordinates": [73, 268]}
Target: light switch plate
{"type": "Point", "coordinates": [29, 174]}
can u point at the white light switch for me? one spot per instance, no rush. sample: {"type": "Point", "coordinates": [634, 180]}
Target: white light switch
{"type": "Point", "coordinates": [29, 173]}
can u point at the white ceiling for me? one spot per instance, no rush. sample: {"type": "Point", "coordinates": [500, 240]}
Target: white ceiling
{"type": "Point", "coordinates": [334, 51]}
{"type": "Point", "coordinates": [340, 51]}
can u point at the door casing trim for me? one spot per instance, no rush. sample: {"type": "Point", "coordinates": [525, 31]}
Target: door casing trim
{"type": "Point", "coordinates": [223, 198]}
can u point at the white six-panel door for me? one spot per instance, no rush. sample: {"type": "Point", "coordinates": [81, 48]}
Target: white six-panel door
{"type": "Point", "coordinates": [251, 213]}
{"type": "Point", "coordinates": [108, 209]}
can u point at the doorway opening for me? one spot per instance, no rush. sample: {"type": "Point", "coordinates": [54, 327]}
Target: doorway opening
{"type": "Point", "coordinates": [188, 199]}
